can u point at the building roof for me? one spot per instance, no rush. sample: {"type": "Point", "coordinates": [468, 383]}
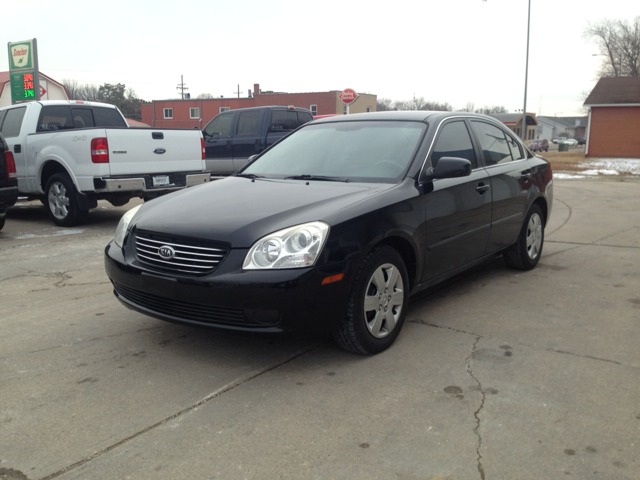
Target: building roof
{"type": "Point", "coordinates": [615, 90]}
{"type": "Point", "coordinates": [571, 122]}
{"type": "Point", "coordinates": [514, 118]}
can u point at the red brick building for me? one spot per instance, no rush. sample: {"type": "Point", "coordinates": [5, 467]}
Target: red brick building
{"type": "Point", "coordinates": [198, 112]}
{"type": "Point", "coordinates": [614, 118]}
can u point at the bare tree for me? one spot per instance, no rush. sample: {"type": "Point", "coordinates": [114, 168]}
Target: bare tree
{"type": "Point", "coordinates": [384, 104]}
{"type": "Point", "coordinates": [619, 42]}
{"type": "Point", "coordinates": [205, 95]}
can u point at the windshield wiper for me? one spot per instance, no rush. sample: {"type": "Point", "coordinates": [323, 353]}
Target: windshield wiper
{"type": "Point", "coordinates": [321, 178]}
{"type": "Point", "coordinates": [248, 175]}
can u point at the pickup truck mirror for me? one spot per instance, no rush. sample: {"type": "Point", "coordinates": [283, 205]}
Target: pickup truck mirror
{"type": "Point", "coordinates": [449, 167]}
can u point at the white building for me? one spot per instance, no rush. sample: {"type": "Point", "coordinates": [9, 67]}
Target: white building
{"type": "Point", "coordinates": [49, 89]}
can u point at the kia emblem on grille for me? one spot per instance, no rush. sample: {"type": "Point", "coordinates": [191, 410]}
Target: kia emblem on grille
{"type": "Point", "coordinates": [166, 252]}
{"type": "Point", "coordinates": [159, 151]}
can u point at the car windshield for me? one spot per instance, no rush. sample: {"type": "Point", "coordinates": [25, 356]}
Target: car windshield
{"type": "Point", "coordinates": [359, 151]}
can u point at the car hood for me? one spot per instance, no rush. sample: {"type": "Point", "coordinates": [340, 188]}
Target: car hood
{"type": "Point", "coordinates": [239, 211]}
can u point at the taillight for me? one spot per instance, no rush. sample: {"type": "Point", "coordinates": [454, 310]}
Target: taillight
{"type": "Point", "coordinates": [202, 143]}
{"type": "Point", "coordinates": [10, 164]}
{"type": "Point", "coordinates": [99, 150]}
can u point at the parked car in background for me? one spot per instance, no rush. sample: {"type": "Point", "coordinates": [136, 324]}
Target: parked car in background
{"type": "Point", "coordinates": [572, 142]}
{"type": "Point", "coordinates": [581, 140]}
{"type": "Point", "coordinates": [8, 180]}
{"type": "Point", "coordinates": [331, 229]}
{"type": "Point", "coordinates": [539, 145]}
{"type": "Point", "coordinates": [235, 135]}
{"type": "Point", "coordinates": [558, 140]}
{"type": "Point", "coordinates": [70, 154]}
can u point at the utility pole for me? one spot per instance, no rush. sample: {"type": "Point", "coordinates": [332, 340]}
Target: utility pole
{"type": "Point", "coordinates": [238, 91]}
{"type": "Point", "coordinates": [181, 87]}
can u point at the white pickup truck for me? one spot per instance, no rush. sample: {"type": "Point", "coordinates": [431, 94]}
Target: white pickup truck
{"type": "Point", "coordinates": [70, 154]}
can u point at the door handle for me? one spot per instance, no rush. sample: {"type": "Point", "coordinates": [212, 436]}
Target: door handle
{"type": "Point", "coordinates": [17, 148]}
{"type": "Point", "coordinates": [481, 188]}
{"type": "Point", "coordinates": [526, 175]}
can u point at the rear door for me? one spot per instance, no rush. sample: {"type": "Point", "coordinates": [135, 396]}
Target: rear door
{"type": "Point", "coordinates": [248, 136]}
{"type": "Point", "coordinates": [217, 142]}
{"type": "Point", "coordinates": [457, 210]}
{"type": "Point", "coordinates": [505, 161]}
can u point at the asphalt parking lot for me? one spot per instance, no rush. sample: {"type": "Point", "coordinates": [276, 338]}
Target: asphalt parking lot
{"type": "Point", "coordinates": [498, 375]}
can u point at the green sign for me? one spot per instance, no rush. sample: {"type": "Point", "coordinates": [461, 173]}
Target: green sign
{"type": "Point", "coordinates": [23, 67]}
{"type": "Point", "coordinates": [21, 55]}
{"type": "Point", "coordinates": [23, 86]}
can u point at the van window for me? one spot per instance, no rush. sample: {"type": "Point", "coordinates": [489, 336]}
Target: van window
{"type": "Point", "coordinates": [55, 117]}
{"type": "Point", "coordinates": [12, 122]}
{"type": "Point", "coordinates": [108, 117]}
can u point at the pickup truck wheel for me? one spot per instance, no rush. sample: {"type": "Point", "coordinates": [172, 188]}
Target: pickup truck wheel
{"type": "Point", "coordinates": [61, 201]}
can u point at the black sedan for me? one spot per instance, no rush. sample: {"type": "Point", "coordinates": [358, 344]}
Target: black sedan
{"type": "Point", "coordinates": [332, 228]}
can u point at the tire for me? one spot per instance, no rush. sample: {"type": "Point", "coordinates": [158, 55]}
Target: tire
{"type": "Point", "coordinates": [2, 220]}
{"type": "Point", "coordinates": [377, 306]}
{"type": "Point", "coordinates": [62, 202]}
{"type": "Point", "coordinates": [525, 253]}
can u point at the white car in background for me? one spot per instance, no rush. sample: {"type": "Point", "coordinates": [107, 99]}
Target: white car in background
{"type": "Point", "coordinates": [571, 141]}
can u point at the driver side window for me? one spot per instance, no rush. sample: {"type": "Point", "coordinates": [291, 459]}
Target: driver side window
{"type": "Point", "coordinates": [454, 141]}
{"type": "Point", "coordinates": [219, 126]}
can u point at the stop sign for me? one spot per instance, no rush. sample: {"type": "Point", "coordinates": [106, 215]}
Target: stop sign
{"type": "Point", "coordinates": [348, 96]}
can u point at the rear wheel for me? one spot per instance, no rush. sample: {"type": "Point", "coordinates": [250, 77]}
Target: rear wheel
{"type": "Point", "coordinates": [525, 253]}
{"type": "Point", "coordinates": [377, 306]}
{"type": "Point", "coordinates": [62, 202]}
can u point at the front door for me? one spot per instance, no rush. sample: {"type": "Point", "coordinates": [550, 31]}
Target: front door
{"type": "Point", "coordinates": [217, 144]}
{"type": "Point", "coordinates": [458, 210]}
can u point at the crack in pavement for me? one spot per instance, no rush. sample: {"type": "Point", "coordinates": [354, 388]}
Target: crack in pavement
{"type": "Point", "coordinates": [476, 414]}
{"type": "Point", "coordinates": [520, 344]}
{"type": "Point", "coordinates": [222, 390]}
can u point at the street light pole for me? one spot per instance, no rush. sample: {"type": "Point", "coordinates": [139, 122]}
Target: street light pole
{"type": "Point", "coordinates": [526, 76]}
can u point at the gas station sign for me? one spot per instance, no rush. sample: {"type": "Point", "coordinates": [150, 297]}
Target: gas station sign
{"type": "Point", "coordinates": [23, 66]}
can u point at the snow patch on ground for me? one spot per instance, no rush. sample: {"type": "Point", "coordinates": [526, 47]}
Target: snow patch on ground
{"type": "Point", "coordinates": [71, 231]}
{"type": "Point", "coordinates": [609, 166]}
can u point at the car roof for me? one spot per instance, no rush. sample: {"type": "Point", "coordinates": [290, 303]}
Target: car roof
{"type": "Point", "coordinates": [412, 115]}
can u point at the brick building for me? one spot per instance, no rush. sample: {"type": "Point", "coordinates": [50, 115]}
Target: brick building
{"type": "Point", "coordinates": [198, 112]}
{"type": "Point", "coordinates": [614, 118]}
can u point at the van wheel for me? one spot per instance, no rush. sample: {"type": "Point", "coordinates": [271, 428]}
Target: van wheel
{"type": "Point", "coordinates": [62, 202]}
{"type": "Point", "coordinates": [378, 304]}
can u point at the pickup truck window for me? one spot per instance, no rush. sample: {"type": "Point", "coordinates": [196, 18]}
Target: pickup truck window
{"type": "Point", "coordinates": [283, 121]}
{"type": "Point", "coordinates": [249, 122]}
{"type": "Point", "coordinates": [219, 126]}
{"type": "Point", "coordinates": [82, 117]}
{"type": "Point", "coordinates": [108, 117]}
{"type": "Point", "coordinates": [12, 122]}
{"type": "Point", "coordinates": [55, 117]}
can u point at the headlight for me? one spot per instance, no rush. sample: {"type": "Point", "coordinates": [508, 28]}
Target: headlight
{"type": "Point", "coordinates": [293, 247]}
{"type": "Point", "coordinates": [123, 226]}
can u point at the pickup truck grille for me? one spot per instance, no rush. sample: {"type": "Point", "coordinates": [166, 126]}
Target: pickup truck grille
{"type": "Point", "coordinates": [189, 256]}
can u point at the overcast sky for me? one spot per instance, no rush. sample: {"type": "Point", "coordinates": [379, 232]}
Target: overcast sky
{"type": "Point", "coordinates": [454, 51]}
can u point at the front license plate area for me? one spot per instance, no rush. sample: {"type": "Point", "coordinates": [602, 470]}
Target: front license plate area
{"type": "Point", "coordinates": [160, 180]}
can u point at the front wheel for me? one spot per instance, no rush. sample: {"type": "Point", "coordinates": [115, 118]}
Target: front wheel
{"type": "Point", "coordinates": [377, 306]}
{"type": "Point", "coordinates": [62, 202]}
{"type": "Point", "coordinates": [525, 253]}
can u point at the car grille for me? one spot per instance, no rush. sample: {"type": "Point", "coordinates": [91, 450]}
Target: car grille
{"type": "Point", "coordinates": [183, 310]}
{"type": "Point", "coordinates": [194, 257]}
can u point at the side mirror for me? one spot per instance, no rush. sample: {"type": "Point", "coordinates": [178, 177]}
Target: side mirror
{"type": "Point", "coordinates": [449, 167]}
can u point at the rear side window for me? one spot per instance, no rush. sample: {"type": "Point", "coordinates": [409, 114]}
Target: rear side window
{"type": "Point", "coordinates": [454, 141]}
{"type": "Point", "coordinates": [304, 117]}
{"type": "Point", "coordinates": [516, 151]}
{"type": "Point", "coordinates": [82, 117]}
{"type": "Point", "coordinates": [493, 143]}
{"type": "Point", "coordinates": [283, 121]}
{"type": "Point", "coordinates": [249, 122]}
{"type": "Point", "coordinates": [108, 117]}
{"type": "Point", "coordinates": [12, 122]}
{"type": "Point", "coordinates": [54, 118]}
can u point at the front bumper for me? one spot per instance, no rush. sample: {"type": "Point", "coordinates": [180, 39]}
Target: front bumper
{"type": "Point", "coordinates": [267, 301]}
{"type": "Point", "coordinates": [144, 183]}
